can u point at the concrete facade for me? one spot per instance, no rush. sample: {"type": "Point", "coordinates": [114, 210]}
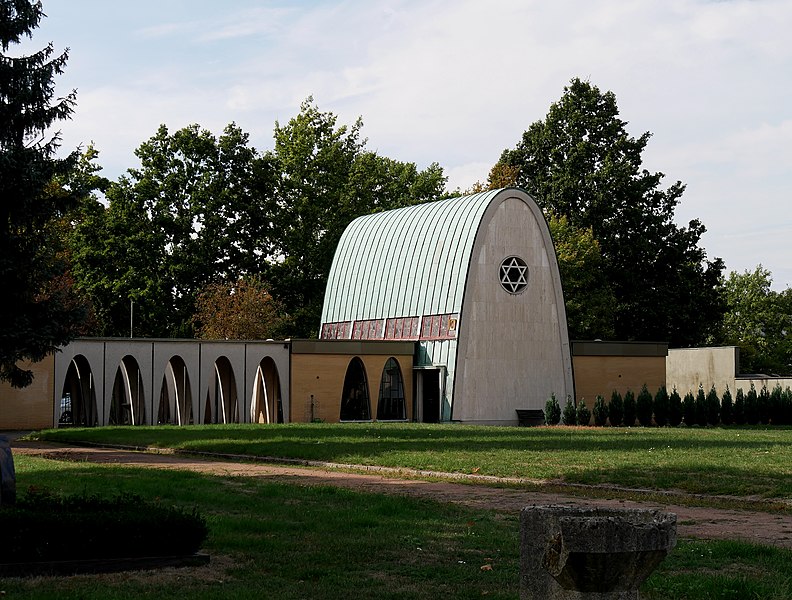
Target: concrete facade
{"type": "Point", "coordinates": [687, 368]}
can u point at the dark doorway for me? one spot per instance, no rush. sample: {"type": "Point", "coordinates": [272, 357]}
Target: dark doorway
{"type": "Point", "coordinates": [355, 396]}
{"type": "Point", "coordinates": [430, 395]}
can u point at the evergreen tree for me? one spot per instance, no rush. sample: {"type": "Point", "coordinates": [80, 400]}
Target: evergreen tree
{"type": "Point", "coordinates": [776, 405]}
{"type": "Point", "coordinates": [713, 407]}
{"type": "Point", "coordinates": [752, 406]}
{"type": "Point", "coordinates": [39, 310]}
{"type": "Point", "coordinates": [763, 405]}
{"type": "Point", "coordinates": [583, 413]}
{"type": "Point", "coordinates": [689, 409]}
{"type": "Point", "coordinates": [616, 409]}
{"type": "Point", "coordinates": [629, 408]}
{"type": "Point", "coordinates": [661, 407]}
{"type": "Point", "coordinates": [643, 407]}
{"type": "Point", "coordinates": [552, 411]}
{"type": "Point", "coordinates": [700, 415]}
{"type": "Point", "coordinates": [727, 408]}
{"type": "Point", "coordinates": [674, 408]}
{"type": "Point", "coordinates": [569, 416]}
{"type": "Point", "coordinates": [600, 412]}
{"type": "Point", "coordinates": [739, 407]}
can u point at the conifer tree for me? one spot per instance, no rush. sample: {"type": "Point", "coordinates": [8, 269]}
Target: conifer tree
{"type": "Point", "coordinates": [39, 310]}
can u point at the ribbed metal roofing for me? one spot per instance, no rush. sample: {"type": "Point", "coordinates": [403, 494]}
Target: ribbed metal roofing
{"type": "Point", "coordinates": [404, 262]}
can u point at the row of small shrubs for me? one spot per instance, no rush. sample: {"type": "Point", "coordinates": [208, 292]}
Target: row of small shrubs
{"type": "Point", "coordinates": [42, 526]}
{"type": "Point", "coordinates": [752, 408]}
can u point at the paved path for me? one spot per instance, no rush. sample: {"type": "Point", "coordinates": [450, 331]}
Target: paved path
{"type": "Point", "coordinates": [774, 528]}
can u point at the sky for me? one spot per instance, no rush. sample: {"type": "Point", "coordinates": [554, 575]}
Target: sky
{"type": "Point", "coordinates": [456, 82]}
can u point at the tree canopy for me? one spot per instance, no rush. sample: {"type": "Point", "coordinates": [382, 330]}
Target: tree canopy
{"type": "Point", "coordinates": [580, 163]}
{"type": "Point", "coordinates": [38, 310]}
{"type": "Point", "coordinates": [759, 321]}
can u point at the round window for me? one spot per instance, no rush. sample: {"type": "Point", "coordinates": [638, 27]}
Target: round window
{"type": "Point", "coordinates": [514, 274]}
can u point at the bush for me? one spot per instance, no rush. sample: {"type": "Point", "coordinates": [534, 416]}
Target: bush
{"type": "Point", "coordinates": [739, 408]}
{"type": "Point", "coordinates": [600, 412]}
{"type": "Point", "coordinates": [752, 406]}
{"type": "Point", "coordinates": [643, 407]}
{"type": "Point", "coordinates": [727, 408]}
{"type": "Point", "coordinates": [629, 408]}
{"type": "Point", "coordinates": [763, 405]}
{"type": "Point", "coordinates": [616, 409]}
{"type": "Point", "coordinates": [689, 409]}
{"type": "Point", "coordinates": [43, 527]}
{"type": "Point", "coordinates": [713, 407]}
{"type": "Point", "coordinates": [583, 413]}
{"type": "Point", "coordinates": [570, 413]}
{"type": "Point", "coordinates": [701, 407]}
{"type": "Point", "coordinates": [552, 411]}
{"type": "Point", "coordinates": [660, 407]}
{"type": "Point", "coordinates": [674, 408]}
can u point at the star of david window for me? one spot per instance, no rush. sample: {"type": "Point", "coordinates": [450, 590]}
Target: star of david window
{"type": "Point", "coordinates": [514, 274]}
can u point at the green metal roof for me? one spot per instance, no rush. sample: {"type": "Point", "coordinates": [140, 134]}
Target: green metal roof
{"type": "Point", "coordinates": [404, 262]}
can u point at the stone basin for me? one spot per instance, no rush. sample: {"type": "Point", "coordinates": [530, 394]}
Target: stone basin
{"type": "Point", "coordinates": [575, 552]}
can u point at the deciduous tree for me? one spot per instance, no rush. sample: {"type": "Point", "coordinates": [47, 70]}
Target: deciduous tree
{"type": "Point", "coordinates": [581, 163]}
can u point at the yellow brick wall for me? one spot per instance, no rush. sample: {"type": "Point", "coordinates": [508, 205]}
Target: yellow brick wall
{"type": "Point", "coordinates": [322, 376]}
{"type": "Point", "coordinates": [600, 375]}
{"type": "Point", "coordinates": [30, 407]}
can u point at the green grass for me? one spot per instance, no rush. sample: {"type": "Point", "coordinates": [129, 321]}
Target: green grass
{"type": "Point", "coordinates": [277, 540]}
{"type": "Point", "coordinates": [744, 461]}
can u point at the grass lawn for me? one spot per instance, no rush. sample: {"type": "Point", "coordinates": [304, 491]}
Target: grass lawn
{"type": "Point", "coordinates": [740, 461]}
{"type": "Point", "coordinates": [277, 540]}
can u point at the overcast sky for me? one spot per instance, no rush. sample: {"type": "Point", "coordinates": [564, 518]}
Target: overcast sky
{"type": "Point", "coordinates": [458, 81]}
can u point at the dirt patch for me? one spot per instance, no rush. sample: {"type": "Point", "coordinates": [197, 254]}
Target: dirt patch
{"type": "Point", "coordinates": [693, 522]}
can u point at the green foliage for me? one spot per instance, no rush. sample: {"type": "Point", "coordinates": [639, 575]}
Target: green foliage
{"type": "Point", "coordinates": [739, 408]}
{"type": "Point", "coordinates": [713, 407]}
{"type": "Point", "coordinates": [616, 409]}
{"type": "Point", "coordinates": [776, 405]}
{"type": "Point", "coordinates": [630, 408]}
{"type": "Point", "coordinates": [39, 310]}
{"type": "Point", "coordinates": [675, 412]}
{"type": "Point", "coordinates": [661, 407]}
{"type": "Point", "coordinates": [600, 412]}
{"type": "Point", "coordinates": [589, 300]}
{"type": "Point", "coordinates": [326, 178]}
{"type": "Point", "coordinates": [752, 406]}
{"type": "Point", "coordinates": [689, 409]}
{"type": "Point", "coordinates": [583, 413]}
{"type": "Point", "coordinates": [786, 407]}
{"type": "Point", "coordinates": [569, 416]}
{"type": "Point", "coordinates": [700, 407]}
{"type": "Point", "coordinates": [43, 526]}
{"type": "Point", "coordinates": [643, 407]}
{"type": "Point", "coordinates": [727, 408]}
{"type": "Point", "coordinates": [759, 321]}
{"type": "Point", "coordinates": [552, 411]}
{"type": "Point", "coordinates": [581, 163]}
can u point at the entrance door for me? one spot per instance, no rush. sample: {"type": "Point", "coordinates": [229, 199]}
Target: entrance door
{"type": "Point", "coordinates": [429, 395]}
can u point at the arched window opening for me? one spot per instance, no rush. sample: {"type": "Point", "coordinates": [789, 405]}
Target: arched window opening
{"type": "Point", "coordinates": [221, 398]}
{"type": "Point", "coordinates": [391, 405]}
{"type": "Point", "coordinates": [175, 404]}
{"type": "Point", "coordinates": [266, 405]}
{"type": "Point", "coordinates": [355, 405]}
{"type": "Point", "coordinates": [78, 398]}
{"type": "Point", "coordinates": [127, 404]}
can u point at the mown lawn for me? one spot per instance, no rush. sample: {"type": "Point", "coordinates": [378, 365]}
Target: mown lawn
{"type": "Point", "coordinates": [741, 461]}
{"type": "Point", "coordinates": [277, 540]}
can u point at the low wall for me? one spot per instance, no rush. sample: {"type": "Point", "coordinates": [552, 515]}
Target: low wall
{"type": "Point", "coordinates": [30, 407]}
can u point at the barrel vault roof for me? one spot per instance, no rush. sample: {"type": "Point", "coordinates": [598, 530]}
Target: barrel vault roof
{"type": "Point", "coordinates": [410, 261]}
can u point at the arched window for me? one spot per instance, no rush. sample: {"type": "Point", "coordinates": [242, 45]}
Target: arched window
{"type": "Point", "coordinates": [391, 404]}
{"type": "Point", "coordinates": [78, 399]}
{"type": "Point", "coordinates": [355, 404]}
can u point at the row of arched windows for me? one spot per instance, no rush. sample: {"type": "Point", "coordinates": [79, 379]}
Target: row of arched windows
{"type": "Point", "coordinates": [128, 407]}
{"type": "Point", "coordinates": [355, 400]}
